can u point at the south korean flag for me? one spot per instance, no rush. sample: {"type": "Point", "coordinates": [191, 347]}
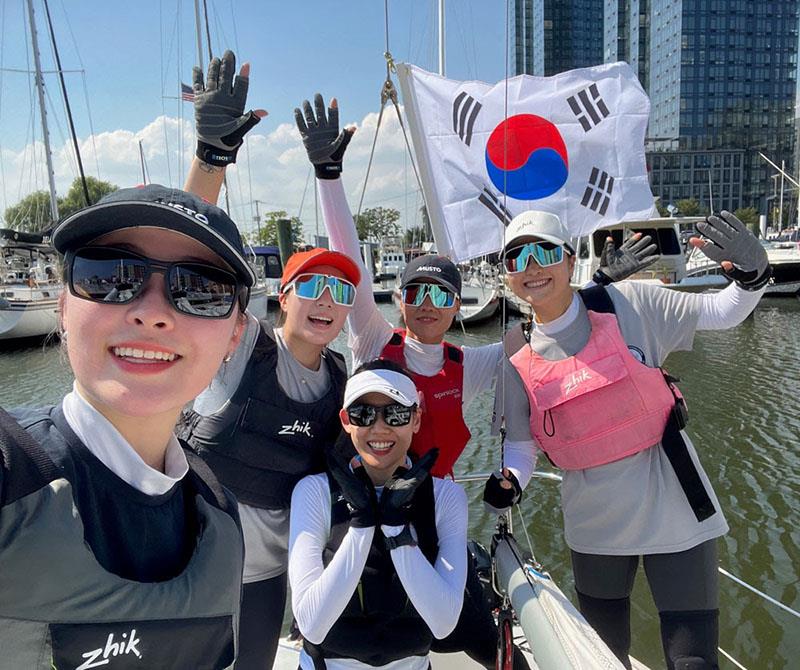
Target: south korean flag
{"type": "Point", "coordinates": [571, 144]}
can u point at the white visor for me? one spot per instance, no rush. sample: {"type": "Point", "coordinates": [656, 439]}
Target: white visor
{"type": "Point", "coordinates": [394, 385]}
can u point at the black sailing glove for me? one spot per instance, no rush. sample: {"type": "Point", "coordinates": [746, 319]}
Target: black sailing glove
{"type": "Point", "coordinates": [728, 239]}
{"type": "Point", "coordinates": [498, 498]}
{"type": "Point", "coordinates": [633, 256]}
{"type": "Point", "coordinates": [219, 111]}
{"type": "Point", "coordinates": [395, 504]}
{"type": "Point", "coordinates": [358, 491]}
{"type": "Point", "coordinates": [324, 143]}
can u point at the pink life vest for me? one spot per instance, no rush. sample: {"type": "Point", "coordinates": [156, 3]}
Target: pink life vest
{"type": "Point", "coordinates": [597, 406]}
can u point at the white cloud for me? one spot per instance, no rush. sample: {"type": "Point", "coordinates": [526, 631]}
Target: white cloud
{"type": "Point", "coordinates": [277, 176]}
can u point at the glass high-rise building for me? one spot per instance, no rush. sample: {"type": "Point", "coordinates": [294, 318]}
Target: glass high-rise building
{"type": "Point", "coordinates": [722, 80]}
{"type": "Point", "coordinates": [551, 36]}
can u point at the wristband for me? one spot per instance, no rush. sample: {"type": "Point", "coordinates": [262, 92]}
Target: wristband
{"type": "Point", "coordinates": [214, 155]}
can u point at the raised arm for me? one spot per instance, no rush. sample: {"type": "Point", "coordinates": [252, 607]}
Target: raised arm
{"type": "Point", "coordinates": [221, 123]}
{"type": "Point", "coordinates": [326, 145]}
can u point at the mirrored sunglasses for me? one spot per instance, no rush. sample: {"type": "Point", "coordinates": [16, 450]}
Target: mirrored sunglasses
{"type": "Point", "coordinates": [311, 286]}
{"type": "Point", "coordinates": [544, 253]}
{"type": "Point", "coordinates": [394, 415]}
{"type": "Point", "coordinates": [441, 297]}
{"type": "Point", "coordinates": [117, 276]}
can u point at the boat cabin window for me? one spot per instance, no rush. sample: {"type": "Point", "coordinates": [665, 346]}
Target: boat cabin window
{"type": "Point", "coordinates": [269, 266]}
{"type": "Point", "coordinates": [665, 240]}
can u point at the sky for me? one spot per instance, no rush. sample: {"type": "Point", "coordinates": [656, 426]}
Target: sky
{"type": "Point", "coordinates": [134, 54]}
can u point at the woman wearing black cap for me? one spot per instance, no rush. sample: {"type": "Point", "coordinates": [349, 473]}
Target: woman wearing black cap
{"type": "Point", "coordinates": [118, 546]}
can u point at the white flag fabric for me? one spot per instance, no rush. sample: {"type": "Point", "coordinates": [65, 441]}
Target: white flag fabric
{"type": "Point", "coordinates": [571, 144]}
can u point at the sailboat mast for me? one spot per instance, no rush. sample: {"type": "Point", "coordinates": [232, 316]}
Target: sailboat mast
{"type": "Point", "coordinates": [45, 133]}
{"type": "Point", "coordinates": [199, 34]}
{"type": "Point", "coordinates": [441, 37]}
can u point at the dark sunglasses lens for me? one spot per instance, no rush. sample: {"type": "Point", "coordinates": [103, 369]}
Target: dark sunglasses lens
{"type": "Point", "coordinates": [397, 415]}
{"type": "Point", "coordinates": [200, 290]}
{"type": "Point", "coordinates": [413, 294]}
{"type": "Point", "coordinates": [362, 415]}
{"type": "Point", "coordinates": [106, 275]}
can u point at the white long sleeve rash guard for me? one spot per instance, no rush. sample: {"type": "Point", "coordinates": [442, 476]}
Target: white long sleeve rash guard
{"type": "Point", "coordinates": [320, 593]}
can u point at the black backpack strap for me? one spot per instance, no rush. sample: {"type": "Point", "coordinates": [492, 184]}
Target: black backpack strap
{"type": "Point", "coordinates": [396, 339]}
{"type": "Point", "coordinates": [26, 465]}
{"type": "Point", "coordinates": [597, 299]}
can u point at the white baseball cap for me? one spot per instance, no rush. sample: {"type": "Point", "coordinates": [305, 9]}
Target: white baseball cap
{"type": "Point", "coordinates": [394, 385]}
{"type": "Point", "coordinates": [541, 225]}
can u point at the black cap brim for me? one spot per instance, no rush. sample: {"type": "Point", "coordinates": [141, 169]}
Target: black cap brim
{"type": "Point", "coordinates": [92, 222]}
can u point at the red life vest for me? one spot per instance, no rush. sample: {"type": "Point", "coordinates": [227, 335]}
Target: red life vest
{"type": "Point", "coordinates": [443, 424]}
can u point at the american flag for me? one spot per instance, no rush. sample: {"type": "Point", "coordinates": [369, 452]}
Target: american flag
{"type": "Point", "coordinates": [187, 93]}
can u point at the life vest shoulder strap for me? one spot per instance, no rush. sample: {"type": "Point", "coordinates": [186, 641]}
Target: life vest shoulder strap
{"type": "Point", "coordinates": [207, 485]}
{"type": "Point", "coordinates": [597, 299]}
{"type": "Point", "coordinates": [453, 353]}
{"type": "Point", "coordinates": [26, 466]}
{"type": "Point", "coordinates": [514, 340]}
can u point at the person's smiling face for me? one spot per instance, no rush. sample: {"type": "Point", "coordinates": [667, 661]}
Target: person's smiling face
{"type": "Point", "coordinates": [382, 448]}
{"type": "Point", "coordinates": [145, 358]}
{"type": "Point", "coordinates": [546, 289]}
{"type": "Point", "coordinates": [317, 321]}
{"type": "Point", "coordinates": [427, 323]}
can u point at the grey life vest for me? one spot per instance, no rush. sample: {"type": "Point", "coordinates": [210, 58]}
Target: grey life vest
{"type": "Point", "coordinates": [61, 610]}
{"type": "Point", "coordinates": [261, 443]}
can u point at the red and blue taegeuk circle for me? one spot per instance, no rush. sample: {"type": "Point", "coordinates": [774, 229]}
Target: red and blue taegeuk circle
{"type": "Point", "coordinates": [534, 162]}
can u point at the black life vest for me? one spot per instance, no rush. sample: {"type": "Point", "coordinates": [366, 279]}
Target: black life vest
{"type": "Point", "coordinates": [261, 443]}
{"type": "Point", "coordinates": [60, 608]}
{"type": "Point", "coordinates": [379, 624]}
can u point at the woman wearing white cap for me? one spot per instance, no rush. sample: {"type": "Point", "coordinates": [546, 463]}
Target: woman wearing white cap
{"type": "Point", "coordinates": [584, 385]}
{"type": "Point", "coordinates": [118, 547]}
{"type": "Point", "coordinates": [377, 547]}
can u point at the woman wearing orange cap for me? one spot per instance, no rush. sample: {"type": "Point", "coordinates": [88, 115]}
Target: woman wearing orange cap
{"type": "Point", "coordinates": [265, 422]}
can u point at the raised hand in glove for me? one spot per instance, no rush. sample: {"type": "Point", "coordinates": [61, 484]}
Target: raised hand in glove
{"type": "Point", "coordinates": [635, 254]}
{"type": "Point", "coordinates": [501, 492]}
{"type": "Point", "coordinates": [324, 143]}
{"type": "Point", "coordinates": [219, 112]}
{"type": "Point", "coordinates": [395, 503]}
{"type": "Point", "coordinates": [729, 243]}
{"type": "Point", "coordinates": [357, 490]}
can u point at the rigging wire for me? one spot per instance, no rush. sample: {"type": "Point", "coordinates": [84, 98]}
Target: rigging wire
{"type": "Point", "coordinates": [85, 87]}
{"type": "Point", "coordinates": [67, 107]}
{"type": "Point", "coordinates": [2, 51]}
{"type": "Point", "coordinates": [162, 73]}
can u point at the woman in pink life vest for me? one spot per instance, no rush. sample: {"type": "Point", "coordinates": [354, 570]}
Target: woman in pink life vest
{"type": "Point", "coordinates": [583, 383]}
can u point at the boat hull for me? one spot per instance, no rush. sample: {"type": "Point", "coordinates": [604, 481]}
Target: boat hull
{"type": "Point", "coordinates": [22, 319]}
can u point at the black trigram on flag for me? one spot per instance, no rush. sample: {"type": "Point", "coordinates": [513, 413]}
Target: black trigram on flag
{"type": "Point", "coordinates": [495, 206]}
{"type": "Point", "coordinates": [588, 107]}
{"type": "Point", "coordinates": [465, 111]}
{"type": "Point", "coordinates": [597, 195]}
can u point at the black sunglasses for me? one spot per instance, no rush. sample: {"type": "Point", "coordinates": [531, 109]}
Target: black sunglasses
{"type": "Point", "coordinates": [394, 415]}
{"type": "Point", "coordinates": [117, 276]}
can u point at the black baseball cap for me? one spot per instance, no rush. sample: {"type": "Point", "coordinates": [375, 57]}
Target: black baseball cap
{"type": "Point", "coordinates": [433, 268]}
{"type": "Point", "coordinates": [158, 207]}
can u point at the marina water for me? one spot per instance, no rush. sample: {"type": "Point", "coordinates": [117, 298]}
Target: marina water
{"type": "Point", "coordinates": [743, 390]}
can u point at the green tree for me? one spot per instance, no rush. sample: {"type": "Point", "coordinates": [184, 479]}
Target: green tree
{"type": "Point", "coordinates": [33, 211]}
{"type": "Point", "coordinates": [268, 232]}
{"type": "Point", "coordinates": [690, 207]}
{"type": "Point", "coordinates": [662, 208]}
{"type": "Point", "coordinates": [749, 217]}
{"type": "Point", "coordinates": [414, 237]}
{"type": "Point", "coordinates": [376, 223]}
{"type": "Point", "coordinates": [29, 214]}
{"type": "Point", "coordinates": [75, 200]}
